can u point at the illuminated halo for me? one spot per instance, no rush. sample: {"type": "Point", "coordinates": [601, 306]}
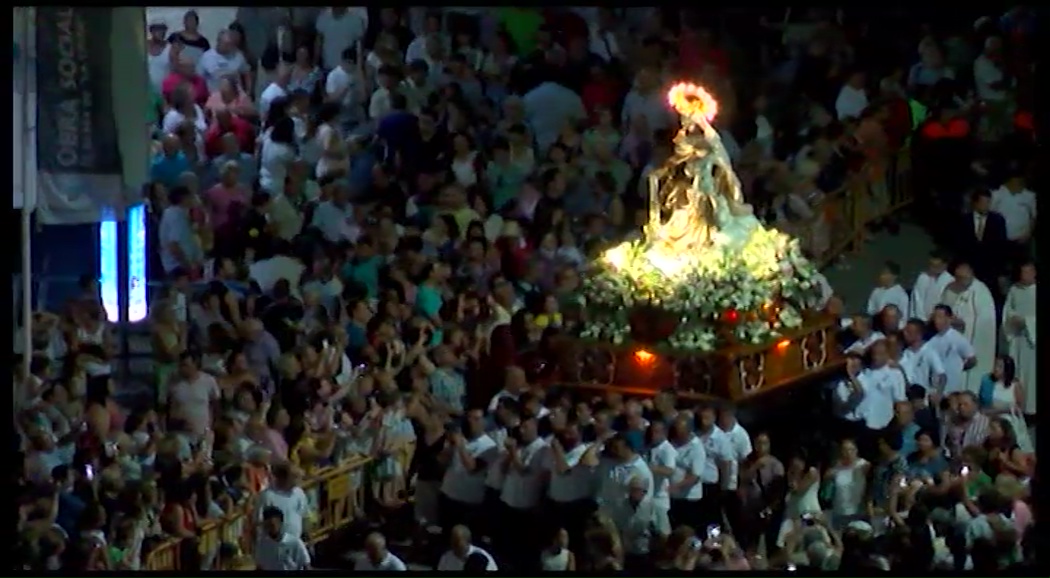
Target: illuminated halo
{"type": "Point", "coordinates": [690, 99]}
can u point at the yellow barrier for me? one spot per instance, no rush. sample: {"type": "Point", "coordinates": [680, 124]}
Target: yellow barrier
{"type": "Point", "coordinates": [848, 211]}
{"type": "Point", "coordinates": [339, 503]}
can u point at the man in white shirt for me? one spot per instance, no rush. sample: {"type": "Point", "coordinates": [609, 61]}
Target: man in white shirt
{"type": "Point", "coordinates": [622, 465]}
{"type": "Point", "coordinates": [192, 395]}
{"type": "Point", "coordinates": [662, 460]}
{"type": "Point", "coordinates": [847, 396]}
{"type": "Point", "coordinates": [462, 548]}
{"type": "Point", "coordinates": [1017, 206]}
{"type": "Point", "coordinates": [548, 108]}
{"type": "Point", "coordinates": [740, 441]}
{"type": "Point", "coordinates": [720, 466]}
{"type": "Point", "coordinates": [640, 522]}
{"type": "Point", "coordinates": [417, 49]}
{"type": "Point", "coordinates": [339, 28]}
{"type": "Point", "coordinates": [514, 384]}
{"type": "Point", "coordinates": [884, 386]}
{"type": "Point", "coordinates": [378, 558]}
{"type": "Point", "coordinates": [277, 550]}
{"type": "Point", "coordinates": [953, 348]}
{"type": "Point", "coordinates": [224, 60]}
{"type": "Point", "coordinates": [921, 364]}
{"type": "Point", "coordinates": [463, 487]}
{"type": "Point", "coordinates": [286, 496]}
{"type": "Point", "coordinates": [523, 490]}
{"type": "Point", "coordinates": [571, 480]}
{"type": "Point", "coordinates": [685, 488]}
{"type": "Point", "coordinates": [861, 329]}
{"type": "Point", "coordinates": [888, 292]}
{"type": "Point", "coordinates": [379, 105]}
{"type": "Point", "coordinates": [853, 98]}
{"type": "Point", "coordinates": [929, 286]}
{"type": "Point", "coordinates": [276, 89]}
{"type": "Point", "coordinates": [344, 86]}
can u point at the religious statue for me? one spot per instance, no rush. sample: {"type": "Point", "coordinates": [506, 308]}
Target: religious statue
{"type": "Point", "coordinates": [694, 197]}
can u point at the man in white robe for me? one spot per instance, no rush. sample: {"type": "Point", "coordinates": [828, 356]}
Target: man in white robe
{"type": "Point", "coordinates": [974, 309]}
{"type": "Point", "coordinates": [889, 292]}
{"type": "Point", "coordinates": [1019, 332]}
{"type": "Point", "coordinates": [929, 287]}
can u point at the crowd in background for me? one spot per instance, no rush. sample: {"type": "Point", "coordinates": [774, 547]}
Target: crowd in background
{"type": "Point", "coordinates": [372, 226]}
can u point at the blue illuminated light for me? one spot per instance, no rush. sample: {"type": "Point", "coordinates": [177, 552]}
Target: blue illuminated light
{"type": "Point", "coordinates": [138, 308]}
{"type": "Point", "coordinates": [108, 275]}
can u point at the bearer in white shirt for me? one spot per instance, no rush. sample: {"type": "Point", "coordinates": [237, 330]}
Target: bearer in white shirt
{"type": "Point", "coordinates": [884, 386]}
{"type": "Point", "coordinates": [861, 328]}
{"type": "Point", "coordinates": [639, 521]}
{"type": "Point", "coordinates": [889, 291]}
{"type": "Point", "coordinates": [378, 558]}
{"type": "Point", "coordinates": [522, 492]}
{"type": "Point", "coordinates": [277, 550]}
{"type": "Point", "coordinates": [740, 440]}
{"type": "Point", "coordinates": [686, 490]}
{"type": "Point", "coordinates": [615, 473]}
{"type": "Point", "coordinates": [661, 459]}
{"type": "Point", "coordinates": [720, 465]}
{"type": "Point", "coordinates": [571, 479]}
{"type": "Point", "coordinates": [339, 28]}
{"type": "Point", "coordinates": [276, 89]}
{"type": "Point", "coordinates": [955, 351]}
{"type": "Point", "coordinates": [929, 286]}
{"type": "Point", "coordinates": [463, 487]}
{"type": "Point", "coordinates": [920, 362]}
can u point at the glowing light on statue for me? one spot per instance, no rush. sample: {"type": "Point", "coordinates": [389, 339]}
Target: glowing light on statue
{"type": "Point", "coordinates": [691, 100]}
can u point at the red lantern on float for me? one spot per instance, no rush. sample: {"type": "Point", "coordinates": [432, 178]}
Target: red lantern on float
{"type": "Point", "coordinates": [731, 316]}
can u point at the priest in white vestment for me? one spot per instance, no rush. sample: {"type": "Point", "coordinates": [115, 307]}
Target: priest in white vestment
{"type": "Point", "coordinates": [929, 287]}
{"type": "Point", "coordinates": [974, 317]}
{"type": "Point", "coordinates": [1019, 332]}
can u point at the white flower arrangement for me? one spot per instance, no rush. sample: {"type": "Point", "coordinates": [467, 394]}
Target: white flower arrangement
{"type": "Point", "coordinates": [761, 285]}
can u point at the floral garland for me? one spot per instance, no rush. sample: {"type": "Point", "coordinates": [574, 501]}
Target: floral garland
{"type": "Point", "coordinates": [747, 294]}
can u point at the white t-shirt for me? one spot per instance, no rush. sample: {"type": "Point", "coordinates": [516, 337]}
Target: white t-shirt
{"type": "Point", "coordinates": [690, 459]}
{"type": "Point", "coordinates": [718, 448]}
{"type": "Point", "coordinates": [986, 73]}
{"type": "Point", "coordinates": [663, 455]}
{"type": "Point", "coordinates": [379, 105]}
{"type": "Point", "coordinates": [339, 80]}
{"type": "Point", "coordinates": [954, 349]}
{"type": "Point", "coordinates": [523, 489]}
{"type": "Point", "coordinates": [389, 563]}
{"type": "Point", "coordinates": [883, 387]}
{"type": "Point", "coordinates": [851, 102]}
{"type": "Point", "coordinates": [173, 119]}
{"type": "Point", "coordinates": [575, 483]}
{"type": "Point", "coordinates": [294, 505]}
{"type": "Point", "coordinates": [284, 555]}
{"type": "Point", "coordinates": [159, 66]}
{"type": "Point", "coordinates": [270, 94]}
{"type": "Point", "coordinates": [921, 366]}
{"type": "Point", "coordinates": [274, 160]}
{"type": "Point", "coordinates": [449, 562]}
{"type": "Point", "coordinates": [740, 441]}
{"type": "Point", "coordinates": [462, 485]}
{"type": "Point", "coordinates": [1017, 209]}
{"type": "Point", "coordinates": [214, 66]}
{"type": "Point", "coordinates": [191, 400]}
{"type": "Point", "coordinates": [340, 32]}
{"type": "Point", "coordinates": [494, 476]}
{"type": "Point", "coordinates": [615, 480]}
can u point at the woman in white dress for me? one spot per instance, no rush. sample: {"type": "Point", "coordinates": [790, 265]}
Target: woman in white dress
{"type": "Point", "coordinates": [1002, 395]}
{"type": "Point", "coordinates": [334, 154]}
{"type": "Point", "coordinates": [847, 481]}
{"type": "Point", "coordinates": [279, 150]}
{"type": "Point", "coordinates": [557, 557]}
{"type": "Point", "coordinates": [803, 481]}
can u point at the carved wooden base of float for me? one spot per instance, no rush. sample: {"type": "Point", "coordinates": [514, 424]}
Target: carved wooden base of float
{"type": "Point", "coordinates": [733, 373]}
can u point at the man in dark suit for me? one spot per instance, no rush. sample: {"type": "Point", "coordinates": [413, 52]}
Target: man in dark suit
{"type": "Point", "coordinates": [981, 238]}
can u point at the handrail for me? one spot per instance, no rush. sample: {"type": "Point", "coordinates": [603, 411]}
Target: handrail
{"type": "Point", "coordinates": [336, 509]}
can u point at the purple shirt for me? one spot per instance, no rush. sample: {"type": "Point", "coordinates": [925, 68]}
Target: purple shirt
{"type": "Point", "coordinates": [263, 354]}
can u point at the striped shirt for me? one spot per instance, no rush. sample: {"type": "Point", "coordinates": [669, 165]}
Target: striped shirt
{"type": "Point", "coordinates": [972, 434]}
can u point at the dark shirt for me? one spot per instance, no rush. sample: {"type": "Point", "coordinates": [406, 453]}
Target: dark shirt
{"type": "Point", "coordinates": [399, 130]}
{"type": "Point", "coordinates": [256, 236]}
{"type": "Point", "coordinates": [278, 319]}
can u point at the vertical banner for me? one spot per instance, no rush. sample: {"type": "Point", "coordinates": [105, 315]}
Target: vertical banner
{"type": "Point", "coordinates": [80, 173]}
{"type": "Point", "coordinates": [138, 308]}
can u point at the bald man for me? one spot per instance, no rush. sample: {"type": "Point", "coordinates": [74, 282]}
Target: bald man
{"type": "Point", "coordinates": [378, 558]}
{"type": "Point", "coordinates": [461, 549]}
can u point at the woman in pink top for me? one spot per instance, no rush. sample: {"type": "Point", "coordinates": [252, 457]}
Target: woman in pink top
{"type": "Point", "coordinates": [229, 96]}
{"type": "Point", "coordinates": [277, 420]}
{"type": "Point", "coordinates": [228, 199]}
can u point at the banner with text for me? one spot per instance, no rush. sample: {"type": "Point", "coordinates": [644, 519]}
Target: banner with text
{"type": "Point", "coordinates": [78, 154]}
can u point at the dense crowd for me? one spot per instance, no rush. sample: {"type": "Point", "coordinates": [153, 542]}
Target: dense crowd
{"type": "Point", "coordinates": [372, 226]}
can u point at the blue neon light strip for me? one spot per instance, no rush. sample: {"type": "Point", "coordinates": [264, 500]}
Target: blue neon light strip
{"type": "Point", "coordinates": [138, 308]}
{"type": "Point", "coordinates": [108, 274]}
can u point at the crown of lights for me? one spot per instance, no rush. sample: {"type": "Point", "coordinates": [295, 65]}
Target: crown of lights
{"type": "Point", "coordinates": [690, 99]}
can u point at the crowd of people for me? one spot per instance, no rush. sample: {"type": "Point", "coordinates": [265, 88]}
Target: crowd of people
{"type": "Point", "coordinates": [372, 226]}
